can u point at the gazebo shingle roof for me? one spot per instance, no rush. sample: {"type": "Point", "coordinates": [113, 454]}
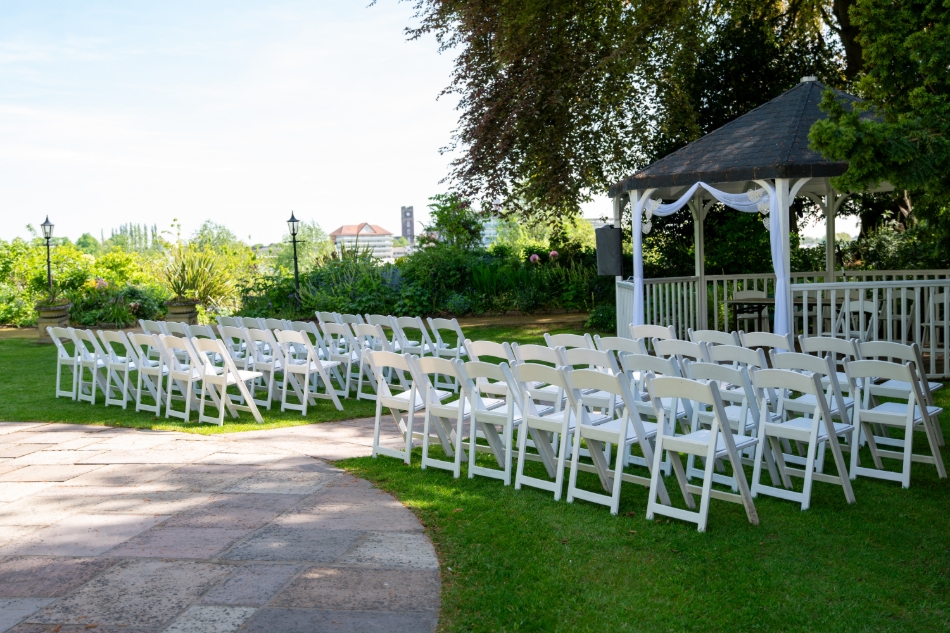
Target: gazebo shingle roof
{"type": "Point", "coordinates": [770, 141]}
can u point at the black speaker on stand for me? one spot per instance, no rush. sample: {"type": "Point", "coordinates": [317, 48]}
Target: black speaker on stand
{"type": "Point", "coordinates": [609, 251]}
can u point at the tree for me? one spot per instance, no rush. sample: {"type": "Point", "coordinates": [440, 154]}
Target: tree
{"type": "Point", "coordinates": [88, 244]}
{"type": "Point", "coordinates": [453, 223]}
{"type": "Point", "coordinates": [560, 99]}
{"type": "Point", "coordinates": [901, 133]}
{"type": "Point", "coordinates": [312, 245]}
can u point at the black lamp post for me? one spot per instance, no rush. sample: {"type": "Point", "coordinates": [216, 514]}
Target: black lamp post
{"type": "Point", "coordinates": [294, 225]}
{"type": "Point", "coordinates": [47, 227]}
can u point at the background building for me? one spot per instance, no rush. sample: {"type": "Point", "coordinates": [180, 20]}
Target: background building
{"type": "Point", "coordinates": [489, 231]}
{"type": "Point", "coordinates": [365, 235]}
{"type": "Point", "coordinates": [407, 220]}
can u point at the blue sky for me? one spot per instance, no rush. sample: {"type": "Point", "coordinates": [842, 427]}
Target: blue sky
{"type": "Point", "coordinates": [239, 112]}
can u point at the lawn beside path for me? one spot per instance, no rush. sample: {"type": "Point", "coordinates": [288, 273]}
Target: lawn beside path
{"type": "Point", "coordinates": [519, 561]}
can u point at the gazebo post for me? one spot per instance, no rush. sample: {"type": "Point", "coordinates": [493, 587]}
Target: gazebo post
{"type": "Point", "coordinates": [618, 215]}
{"type": "Point", "coordinates": [697, 208]}
{"type": "Point", "coordinates": [782, 199]}
{"type": "Point", "coordinates": [829, 237]}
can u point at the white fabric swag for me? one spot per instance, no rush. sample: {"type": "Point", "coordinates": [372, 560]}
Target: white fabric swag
{"type": "Point", "coordinates": [755, 201]}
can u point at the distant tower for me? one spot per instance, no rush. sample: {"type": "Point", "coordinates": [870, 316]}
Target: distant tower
{"type": "Point", "coordinates": [408, 222]}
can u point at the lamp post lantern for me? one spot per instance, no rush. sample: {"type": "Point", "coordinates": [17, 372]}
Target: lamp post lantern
{"type": "Point", "coordinates": [47, 227]}
{"type": "Point", "coordinates": [294, 225]}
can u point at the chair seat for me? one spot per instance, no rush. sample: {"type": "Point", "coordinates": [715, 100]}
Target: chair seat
{"type": "Point", "coordinates": [904, 386]}
{"type": "Point", "coordinates": [700, 439]}
{"type": "Point", "coordinates": [809, 400]}
{"type": "Point", "coordinates": [900, 409]}
{"type": "Point", "coordinates": [613, 426]}
{"type": "Point", "coordinates": [805, 424]}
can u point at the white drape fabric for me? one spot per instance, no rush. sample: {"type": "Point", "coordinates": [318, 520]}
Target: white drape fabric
{"type": "Point", "coordinates": [755, 201]}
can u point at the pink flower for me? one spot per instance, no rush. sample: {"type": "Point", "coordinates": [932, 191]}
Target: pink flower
{"type": "Point", "coordinates": [553, 255]}
{"type": "Point", "coordinates": [101, 283]}
{"type": "Point", "coordinates": [534, 259]}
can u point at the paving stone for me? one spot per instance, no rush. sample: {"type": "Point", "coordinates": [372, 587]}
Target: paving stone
{"type": "Point", "coordinates": [35, 577]}
{"type": "Point", "coordinates": [138, 593]}
{"type": "Point", "coordinates": [285, 482]}
{"type": "Point", "coordinates": [207, 619]}
{"type": "Point", "coordinates": [151, 502]}
{"type": "Point", "coordinates": [360, 589]}
{"type": "Point", "coordinates": [44, 436]}
{"type": "Point", "coordinates": [332, 451]}
{"type": "Point", "coordinates": [27, 627]}
{"type": "Point", "coordinates": [18, 450]}
{"type": "Point", "coordinates": [15, 533]}
{"type": "Point", "coordinates": [51, 456]}
{"type": "Point", "coordinates": [253, 584]}
{"type": "Point", "coordinates": [150, 456]}
{"type": "Point", "coordinates": [88, 443]}
{"type": "Point", "coordinates": [363, 516]}
{"type": "Point", "coordinates": [62, 427]}
{"type": "Point", "coordinates": [7, 467]}
{"type": "Point", "coordinates": [279, 544]}
{"type": "Point", "coordinates": [240, 459]}
{"type": "Point", "coordinates": [205, 478]}
{"type": "Point", "coordinates": [122, 475]}
{"type": "Point", "coordinates": [394, 549]}
{"type": "Point", "coordinates": [239, 511]}
{"type": "Point", "coordinates": [62, 472]}
{"type": "Point", "coordinates": [45, 509]}
{"type": "Point", "coordinates": [13, 490]}
{"type": "Point", "coordinates": [82, 535]}
{"type": "Point", "coordinates": [165, 542]}
{"type": "Point", "coordinates": [15, 610]}
{"type": "Point", "coordinates": [16, 427]}
{"type": "Point", "coordinates": [240, 447]}
{"type": "Point", "coordinates": [316, 621]}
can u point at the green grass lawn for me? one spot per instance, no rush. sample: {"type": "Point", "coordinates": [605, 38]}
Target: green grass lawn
{"type": "Point", "coordinates": [519, 561]}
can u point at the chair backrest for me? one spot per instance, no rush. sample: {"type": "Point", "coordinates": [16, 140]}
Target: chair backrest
{"type": "Point", "coordinates": [686, 391]}
{"type": "Point", "coordinates": [740, 377]}
{"type": "Point", "coordinates": [152, 327]}
{"type": "Point", "coordinates": [338, 331]}
{"type": "Point", "coordinates": [380, 319]}
{"type": "Point", "coordinates": [206, 350]}
{"type": "Point", "coordinates": [767, 340]}
{"type": "Point", "coordinates": [580, 382]}
{"type": "Point", "coordinates": [839, 349]}
{"type": "Point", "coordinates": [744, 356]}
{"type": "Point", "coordinates": [643, 363]}
{"type": "Point", "coordinates": [424, 366]}
{"type": "Point", "coordinates": [535, 354]}
{"type": "Point", "coordinates": [652, 331]}
{"type": "Point", "coordinates": [865, 372]}
{"type": "Point", "coordinates": [170, 345]}
{"type": "Point", "coordinates": [373, 336]}
{"type": "Point", "coordinates": [824, 368]}
{"type": "Point", "coordinates": [785, 381]}
{"type": "Point", "coordinates": [619, 344]}
{"type": "Point", "coordinates": [176, 328]}
{"type": "Point", "coordinates": [533, 373]}
{"type": "Point", "coordinates": [275, 324]}
{"type": "Point", "coordinates": [475, 373]}
{"type": "Point", "coordinates": [200, 331]}
{"type": "Point", "coordinates": [667, 348]}
{"type": "Point", "coordinates": [226, 320]}
{"type": "Point", "coordinates": [296, 344]}
{"type": "Point", "coordinates": [87, 345]}
{"type": "Point", "coordinates": [58, 335]}
{"type": "Point", "coordinates": [886, 350]}
{"type": "Point", "coordinates": [327, 317]}
{"type": "Point", "coordinates": [352, 319]}
{"type": "Point", "coordinates": [603, 361]}
{"type": "Point", "coordinates": [447, 325]}
{"type": "Point", "coordinates": [141, 345]}
{"type": "Point", "coordinates": [233, 338]}
{"type": "Point", "coordinates": [477, 349]}
{"type": "Point", "coordinates": [110, 341]}
{"type": "Point", "coordinates": [583, 341]}
{"type": "Point", "coordinates": [403, 327]}
{"type": "Point", "coordinates": [713, 337]}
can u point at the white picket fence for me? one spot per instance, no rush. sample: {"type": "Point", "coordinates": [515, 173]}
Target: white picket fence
{"type": "Point", "coordinates": [898, 305]}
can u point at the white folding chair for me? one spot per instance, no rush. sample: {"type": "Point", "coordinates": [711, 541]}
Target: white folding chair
{"type": "Point", "coordinates": [897, 352]}
{"type": "Point", "coordinates": [680, 350]}
{"type": "Point", "coordinates": [813, 427]}
{"type": "Point", "coordinates": [619, 345]}
{"type": "Point", "coordinates": [216, 380]}
{"type": "Point", "coordinates": [307, 365]}
{"type": "Point", "coordinates": [328, 317]}
{"type": "Point", "coordinates": [914, 414]}
{"type": "Point", "coordinates": [65, 359]}
{"type": "Point", "coordinates": [483, 351]}
{"type": "Point", "coordinates": [92, 359]}
{"type": "Point", "coordinates": [176, 328]}
{"type": "Point", "coordinates": [183, 375]}
{"type": "Point", "coordinates": [402, 405]}
{"type": "Point", "coordinates": [713, 337]}
{"type": "Point", "coordinates": [352, 319]}
{"type": "Point", "coordinates": [442, 349]}
{"type": "Point", "coordinates": [152, 327]}
{"type": "Point", "coordinates": [447, 419]}
{"type": "Point", "coordinates": [385, 322]}
{"type": "Point", "coordinates": [347, 355]}
{"type": "Point", "coordinates": [120, 363]}
{"type": "Point", "coordinates": [313, 332]}
{"type": "Point", "coordinates": [605, 362]}
{"type": "Point", "coordinates": [712, 444]}
{"type": "Point", "coordinates": [856, 316]}
{"type": "Point", "coordinates": [493, 419]}
{"type": "Point", "coordinates": [623, 431]}
{"type": "Point", "coordinates": [373, 338]}
{"type": "Point", "coordinates": [569, 341]}
{"type": "Point", "coordinates": [151, 370]}
{"type": "Point", "coordinates": [228, 321]}
{"type": "Point", "coordinates": [540, 391]}
{"type": "Point", "coordinates": [236, 343]}
{"type": "Point", "coordinates": [838, 349]}
{"type": "Point", "coordinates": [266, 358]}
{"type": "Point", "coordinates": [650, 332]}
{"type": "Point", "coordinates": [412, 336]}
{"type": "Point", "coordinates": [276, 324]}
{"type": "Point", "coordinates": [550, 434]}
{"type": "Point", "coordinates": [200, 331]}
{"type": "Point", "coordinates": [767, 340]}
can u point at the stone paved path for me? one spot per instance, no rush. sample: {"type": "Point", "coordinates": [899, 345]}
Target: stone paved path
{"type": "Point", "coordinates": [105, 529]}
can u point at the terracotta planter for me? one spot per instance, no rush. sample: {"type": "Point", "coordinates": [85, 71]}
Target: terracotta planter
{"type": "Point", "coordinates": [182, 312]}
{"type": "Point", "coordinates": [51, 316]}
